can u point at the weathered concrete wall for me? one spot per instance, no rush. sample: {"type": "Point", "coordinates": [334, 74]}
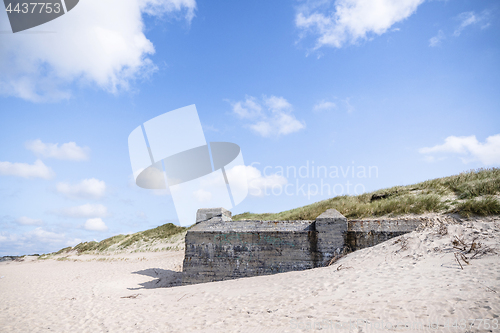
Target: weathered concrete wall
{"type": "Point", "coordinates": [370, 232]}
{"type": "Point", "coordinates": [220, 249]}
{"type": "Point", "coordinates": [217, 250]}
{"type": "Point", "coordinates": [208, 213]}
{"type": "Point", "coordinates": [331, 229]}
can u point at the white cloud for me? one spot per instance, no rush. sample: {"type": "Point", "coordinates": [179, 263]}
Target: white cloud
{"type": "Point", "coordinates": [436, 40]}
{"type": "Point", "coordinates": [324, 106]}
{"type": "Point", "coordinates": [263, 128]}
{"type": "Point", "coordinates": [242, 178]}
{"type": "Point", "coordinates": [100, 43]}
{"type": "Point", "coordinates": [470, 148]}
{"type": "Point", "coordinates": [161, 7]}
{"type": "Point", "coordinates": [38, 240]}
{"type": "Point", "coordinates": [96, 224]}
{"type": "Point", "coordinates": [23, 220]}
{"type": "Point", "coordinates": [45, 236]}
{"type": "Point", "coordinates": [471, 18]}
{"type": "Point", "coordinates": [36, 170]}
{"type": "Point", "coordinates": [249, 108]}
{"type": "Point", "coordinates": [286, 123]}
{"type": "Point", "coordinates": [86, 210]}
{"type": "Point", "coordinates": [67, 151]}
{"type": "Point", "coordinates": [87, 188]}
{"type": "Point", "coordinates": [351, 20]}
{"type": "Point", "coordinates": [202, 195]}
{"type": "Point", "coordinates": [277, 104]}
{"type": "Point", "coordinates": [258, 184]}
{"type": "Point", "coordinates": [278, 120]}
{"type": "Point", "coordinates": [73, 241]}
{"type": "Point", "coordinates": [34, 241]}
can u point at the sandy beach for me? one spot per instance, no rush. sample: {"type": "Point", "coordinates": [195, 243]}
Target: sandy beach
{"type": "Point", "coordinates": [412, 283]}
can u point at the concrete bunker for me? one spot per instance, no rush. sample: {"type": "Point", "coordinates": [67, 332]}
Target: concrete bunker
{"type": "Point", "coordinates": [218, 248]}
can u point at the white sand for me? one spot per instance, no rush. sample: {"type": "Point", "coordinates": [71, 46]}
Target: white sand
{"type": "Point", "coordinates": [422, 283]}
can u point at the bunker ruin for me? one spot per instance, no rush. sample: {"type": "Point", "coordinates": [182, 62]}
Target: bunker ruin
{"type": "Point", "coordinates": [218, 248]}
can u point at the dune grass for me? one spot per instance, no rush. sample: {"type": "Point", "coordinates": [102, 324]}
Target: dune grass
{"type": "Point", "coordinates": [468, 193]}
{"type": "Point", "coordinates": [488, 205]}
{"type": "Point", "coordinates": [124, 241]}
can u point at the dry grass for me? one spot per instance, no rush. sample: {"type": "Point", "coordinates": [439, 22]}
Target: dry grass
{"type": "Point", "coordinates": [476, 187]}
{"type": "Point", "coordinates": [466, 251]}
{"type": "Point", "coordinates": [163, 232]}
{"type": "Point", "coordinates": [403, 241]}
{"type": "Point", "coordinates": [487, 205]}
{"type": "Point", "coordinates": [345, 251]}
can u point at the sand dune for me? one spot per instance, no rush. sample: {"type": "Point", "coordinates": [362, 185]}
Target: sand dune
{"type": "Point", "coordinates": [413, 279]}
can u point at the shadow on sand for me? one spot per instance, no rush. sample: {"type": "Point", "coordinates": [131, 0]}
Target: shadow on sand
{"type": "Point", "coordinates": [164, 278]}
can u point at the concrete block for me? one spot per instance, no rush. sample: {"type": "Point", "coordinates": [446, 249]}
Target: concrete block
{"type": "Point", "coordinates": [331, 215]}
{"type": "Point", "coordinates": [332, 228]}
{"type": "Point", "coordinates": [370, 232]}
{"type": "Point", "coordinates": [216, 250]}
{"type": "Point", "coordinates": [205, 214]}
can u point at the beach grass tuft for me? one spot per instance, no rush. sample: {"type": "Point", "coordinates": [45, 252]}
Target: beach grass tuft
{"type": "Point", "coordinates": [488, 205]}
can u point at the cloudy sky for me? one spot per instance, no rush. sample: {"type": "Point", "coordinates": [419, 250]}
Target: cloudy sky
{"type": "Point", "coordinates": [324, 98]}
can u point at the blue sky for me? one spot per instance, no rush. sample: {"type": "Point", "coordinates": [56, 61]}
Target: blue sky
{"type": "Point", "coordinates": [405, 89]}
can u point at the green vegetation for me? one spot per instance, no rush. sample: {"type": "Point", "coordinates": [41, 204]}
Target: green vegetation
{"type": "Point", "coordinates": [66, 249]}
{"type": "Point", "coordinates": [487, 206]}
{"type": "Point", "coordinates": [46, 256]}
{"type": "Point", "coordinates": [85, 247]}
{"type": "Point", "coordinates": [161, 232]}
{"type": "Point", "coordinates": [469, 193]}
{"type": "Point", "coordinates": [124, 241]}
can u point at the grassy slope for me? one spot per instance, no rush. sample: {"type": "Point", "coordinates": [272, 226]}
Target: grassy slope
{"type": "Point", "coordinates": [470, 193]}
{"type": "Point", "coordinates": [127, 242]}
